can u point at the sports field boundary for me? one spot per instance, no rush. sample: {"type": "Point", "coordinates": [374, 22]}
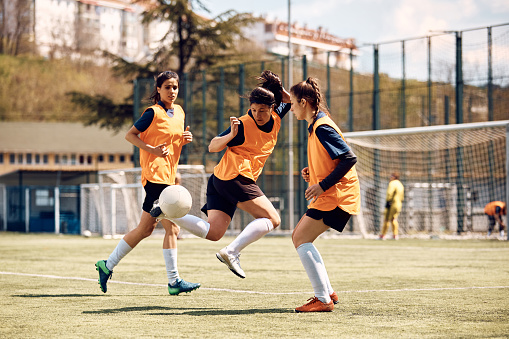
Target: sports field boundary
{"type": "Point", "coordinates": [255, 292]}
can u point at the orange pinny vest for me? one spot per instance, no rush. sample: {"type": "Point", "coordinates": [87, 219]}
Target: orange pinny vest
{"type": "Point", "coordinates": [249, 158]}
{"type": "Point", "coordinates": [491, 207]}
{"type": "Point", "coordinates": [162, 129]}
{"type": "Point", "coordinates": [346, 193]}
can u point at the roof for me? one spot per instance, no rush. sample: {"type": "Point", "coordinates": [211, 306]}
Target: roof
{"type": "Point", "coordinates": [58, 137]}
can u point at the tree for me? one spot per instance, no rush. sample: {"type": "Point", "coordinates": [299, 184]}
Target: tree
{"type": "Point", "coordinates": [14, 25]}
{"type": "Point", "coordinates": [195, 41]}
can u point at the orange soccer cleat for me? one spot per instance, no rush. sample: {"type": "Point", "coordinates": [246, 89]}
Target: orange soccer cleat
{"type": "Point", "coordinates": [315, 305]}
{"type": "Point", "coordinates": [334, 297]}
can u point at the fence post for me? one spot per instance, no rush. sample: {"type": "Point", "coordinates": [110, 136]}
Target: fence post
{"type": "Point", "coordinates": [241, 89]}
{"type": "Point", "coordinates": [402, 123]}
{"type": "Point", "coordinates": [350, 103]}
{"type": "Point", "coordinates": [376, 91]}
{"type": "Point", "coordinates": [57, 209]}
{"type": "Point", "coordinates": [490, 77]}
{"type": "Point", "coordinates": [302, 129]}
{"type": "Point", "coordinates": [328, 79]}
{"type": "Point", "coordinates": [204, 115]}
{"type": "Point", "coordinates": [220, 106]}
{"type": "Point", "coordinates": [430, 118]}
{"type": "Point", "coordinates": [459, 120]}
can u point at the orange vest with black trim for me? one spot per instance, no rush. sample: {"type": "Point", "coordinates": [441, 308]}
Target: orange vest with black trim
{"type": "Point", "coordinates": [490, 208]}
{"type": "Point", "coordinates": [249, 158]}
{"type": "Point", "coordinates": [162, 170]}
{"type": "Point", "coordinates": [346, 193]}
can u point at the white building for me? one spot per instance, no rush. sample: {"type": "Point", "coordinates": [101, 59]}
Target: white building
{"type": "Point", "coordinates": [77, 27]}
{"type": "Point", "coordinates": [272, 35]}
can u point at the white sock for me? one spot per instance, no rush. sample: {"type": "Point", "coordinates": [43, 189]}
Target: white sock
{"type": "Point", "coordinates": [329, 286]}
{"type": "Point", "coordinates": [253, 231]}
{"type": "Point", "coordinates": [170, 258]}
{"type": "Point", "coordinates": [194, 225]}
{"type": "Point", "coordinates": [315, 269]}
{"type": "Point", "coordinates": [118, 253]}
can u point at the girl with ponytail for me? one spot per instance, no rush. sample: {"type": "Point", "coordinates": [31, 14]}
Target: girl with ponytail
{"type": "Point", "coordinates": [333, 187]}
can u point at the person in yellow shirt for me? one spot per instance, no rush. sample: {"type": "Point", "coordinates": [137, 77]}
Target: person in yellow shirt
{"type": "Point", "coordinates": [495, 211]}
{"type": "Point", "coordinates": [159, 133]}
{"type": "Point", "coordinates": [333, 186]}
{"type": "Point", "coordinates": [393, 203]}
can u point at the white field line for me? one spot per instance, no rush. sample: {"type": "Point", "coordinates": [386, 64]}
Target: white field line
{"type": "Point", "coordinates": [254, 292]}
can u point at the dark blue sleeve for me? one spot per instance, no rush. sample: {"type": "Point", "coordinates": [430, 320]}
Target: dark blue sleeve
{"type": "Point", "coordinates": [283, 109]}
{"type": "Point", "coordinates": [332, 141]}
{"type": "Point", "coordinates": [145, 120]}
{"type": "Point", "coordinates": [238, 139]}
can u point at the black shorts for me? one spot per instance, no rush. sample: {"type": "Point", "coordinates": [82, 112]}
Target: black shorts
{"type": "Point", "coordinates": [336, 219]}
{"type": "Point", "coordinates": [224, 195]}
{"type": "Point", "coordinates": [152, 191]}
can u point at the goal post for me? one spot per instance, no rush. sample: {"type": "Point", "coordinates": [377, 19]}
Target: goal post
{"type": "Point", "coordinates": [112, 207]}
{"type": "Point", "coordinates": [450, 173]}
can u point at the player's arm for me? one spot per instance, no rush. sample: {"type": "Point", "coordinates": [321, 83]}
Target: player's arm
{"type": "Point", "coordinates": [133, 135]}
{"type": "Point", "coordinates": [222, 140]}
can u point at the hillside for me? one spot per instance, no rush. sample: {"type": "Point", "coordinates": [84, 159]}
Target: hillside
{"type": "Point", "coordinates": [34, 89]}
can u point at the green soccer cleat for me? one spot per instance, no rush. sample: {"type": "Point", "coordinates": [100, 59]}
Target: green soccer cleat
{"type": "Point", "coordinates": [104, 274]}
{"type": "Point", "coordinates": [182, 286]}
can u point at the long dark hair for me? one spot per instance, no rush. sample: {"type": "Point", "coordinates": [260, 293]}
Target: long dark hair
{"type": "Point", "coordinates": [155, 97]}
{"type": "Point", "coordinates": [310, 91]}
{"type": "Point", "coordinates": [268, 91]}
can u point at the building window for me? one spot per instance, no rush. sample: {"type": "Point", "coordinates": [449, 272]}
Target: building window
{"type": "Point", "coordinates": [37, 158]}
{"type": "Point", "coordinates": [64, 159]}
{"type": "Point", "coordinates": [89, 159]}
{"type": "Point", "coordinates": [82, 159]}
{"type": "Point", "coordinates": [20, 158]}
{"type": "Point", "coordinates": [29, 158]}
{"type": "Point", "coordinates": [100, 158]}
{"type": "Point", "coordinates": [1, 158]}
{"type": "Point", "coordinates": [12, 158]}
{"type": "Point", "coordinates": [73, 159]}
{"type": "Point", "coordinates": [45, 158]}
{"type": "Point", "coordinates": [122, 158]}
{"type": "Point", "coordinates": [57, 158]}
{"type": "Point", "coordinates": [112, 158]}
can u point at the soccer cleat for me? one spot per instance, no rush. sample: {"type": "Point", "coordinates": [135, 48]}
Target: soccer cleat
{"type": "Point", "coordinates": [104, 274]}
{"type": "Point", "coordinates": [396, 237]}
{"type": "Point", "coordinates": [334, 297]}
{"type": "Point", "coordinates": [381, 237]}
{"type": "Point", "coordinates": [182, 286]}
{"type": "Point", "coordinates": [232, 261]}
{"type": "Point", "coordinates": [156, 211]}
{"type": "Point", "coordinates": [315, 305]}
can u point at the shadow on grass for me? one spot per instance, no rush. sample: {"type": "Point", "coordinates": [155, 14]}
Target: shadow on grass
{"type": "Point", "coordinates": [194, 311]}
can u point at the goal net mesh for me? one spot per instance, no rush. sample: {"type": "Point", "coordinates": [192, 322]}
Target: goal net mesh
{"type": "Point", "coordinates": [449, 172]}
{"type": "Point", "coordinates": [113, 206]}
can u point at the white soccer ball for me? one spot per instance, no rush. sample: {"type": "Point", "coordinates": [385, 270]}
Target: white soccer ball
{"type": "Point", "coordinates": [175, 201]}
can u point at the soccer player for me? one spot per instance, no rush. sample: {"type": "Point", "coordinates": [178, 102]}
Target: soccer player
{"type": "Point", "coordinates": [249, 141]}
{"type": "Point", "coordinates": [393, 202]}
{"type": "Point", "coordinates": [495, 211]}
{"type": "Point", "coordinates": [333, 186]}
{"type": "Point", "coordinates": [160, 135]}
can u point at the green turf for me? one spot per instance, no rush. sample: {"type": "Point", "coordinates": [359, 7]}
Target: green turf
{"type": "Point", "coordinates": [407, 289]}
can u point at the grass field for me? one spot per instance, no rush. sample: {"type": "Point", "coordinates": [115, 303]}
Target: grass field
{"type": "Point", "coordinates": [408, 289]}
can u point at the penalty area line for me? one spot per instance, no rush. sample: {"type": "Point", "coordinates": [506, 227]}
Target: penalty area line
{"type": "Point", "coordinates": [255, 292]}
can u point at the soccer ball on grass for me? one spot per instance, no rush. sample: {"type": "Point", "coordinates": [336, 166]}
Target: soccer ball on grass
{"type": "Point", "coordinates": [175, 201]}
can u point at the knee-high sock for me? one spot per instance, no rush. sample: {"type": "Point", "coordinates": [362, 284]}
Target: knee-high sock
{"type": "Point", "coordinates": [253, 231]}
{"type": "Point", "coordinates": [118, 253]}
{"type": "Point", "coordinates": [170, 258]}
{"type": "Point", "coordinates": [193, 224]}
{"type": "Point", "coordinates": [395, 227]}
{"type": "Point", "coordinates": [315, 269]}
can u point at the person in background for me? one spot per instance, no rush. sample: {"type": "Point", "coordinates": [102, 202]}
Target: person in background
{"type": "Point", "coordinates": [333, 186]}
{"type": "Point", "coordinates": [393, 204]}
{"type": "Point", "coordinates": [160, 135]}
{"type": "Point", "coordinates": [495, 211]}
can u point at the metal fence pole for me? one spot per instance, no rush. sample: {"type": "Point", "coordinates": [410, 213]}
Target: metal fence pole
{"type": "Point", "coordinates": [490, 76]}
{"type": "Point", "coordinates": [350, 95]}
{"type": "Point", "coordinates": [204, 115]}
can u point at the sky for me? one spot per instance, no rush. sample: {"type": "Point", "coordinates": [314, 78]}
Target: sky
{"type": "Point", "coordinates": [376, 21]}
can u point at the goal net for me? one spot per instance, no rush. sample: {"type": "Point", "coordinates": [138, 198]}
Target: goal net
{"type": "Point", "coordinates": [112, 207]}
{"type": "Point", "coordinates": [449, 172]}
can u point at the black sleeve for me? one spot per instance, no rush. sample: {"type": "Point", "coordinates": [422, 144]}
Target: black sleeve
{"type": "Point", "coordinates": [238, 139]}
{"type": "Point", "coordinates": [145, 120]}
{"type": "Point", "coordinates": [347, 160]}
{"type": "Point", "coordinates": [283, 109]}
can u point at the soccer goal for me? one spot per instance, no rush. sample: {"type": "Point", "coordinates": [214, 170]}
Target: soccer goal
{"type": "Point", "coordinates": [112, 207]}
{"type": "Point", "coordinates": [449, 172]}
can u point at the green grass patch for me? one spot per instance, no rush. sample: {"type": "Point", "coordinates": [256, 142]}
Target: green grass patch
{"type": "Point", "coordinates": [409, 288]}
